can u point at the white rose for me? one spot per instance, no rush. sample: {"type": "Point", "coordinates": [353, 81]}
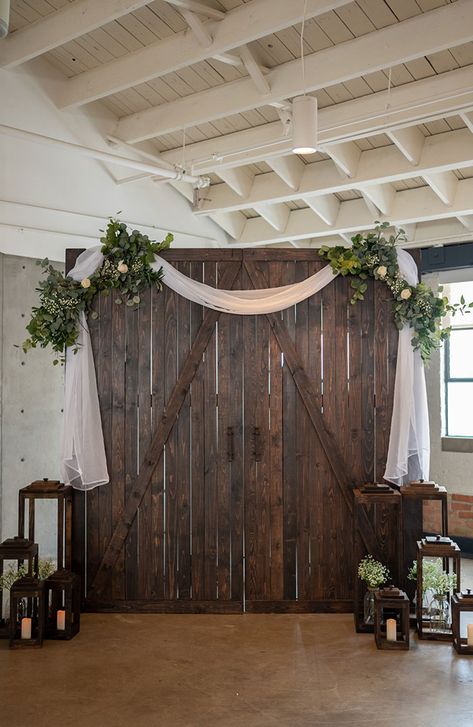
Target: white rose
{"type": "Point", "coordinates": [382, 271]}
{"type": "Point", "coordinates": [122, 267]}
{"type": "Point", "coordinates": [406, 294]}
{"type": "Point", "coordinates": [85, 283]}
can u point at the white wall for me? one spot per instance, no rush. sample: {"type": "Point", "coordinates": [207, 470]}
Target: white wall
{"type": "Point", "coordinates": [51, 199]}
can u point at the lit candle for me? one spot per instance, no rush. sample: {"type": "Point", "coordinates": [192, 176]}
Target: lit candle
{"type": "Point", "coordinates": [26, 628]}
{"type": "Point", "coordinates": [61, 621]}
{"type": "Point", "coordinates": [469, 631]}
{"type": "Point", "coordinates": [391, 627]}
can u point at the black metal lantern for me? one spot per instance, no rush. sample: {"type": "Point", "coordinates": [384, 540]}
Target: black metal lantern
{"type": "Point", "coordinates": [462, 603]}
{"type": "Point", "coordinates": [433, 602]}
{"type": "Point", "coordinates": [391, 621]}
{"type": "Point", "coordinates": [62, 605]}
{"type": "Point", "coordinates": [20, 550]}
{"type": "Point", "coordinates": [27, 613]}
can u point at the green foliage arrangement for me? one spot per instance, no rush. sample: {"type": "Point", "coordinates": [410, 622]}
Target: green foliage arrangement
{"type": "Point", "coordinates": [372, 572]}
{"type": "Point", "coordinates": [373, 255]}
{"type": "Point", "coordinates": [126, 269]}
{"type": "Point", "coordinates": [45, 568]}
{"type": "Point", "coordinates": [434, 578]}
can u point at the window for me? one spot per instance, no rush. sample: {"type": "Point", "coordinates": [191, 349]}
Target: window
{"type": "Point", "coordinates": [458, 367]}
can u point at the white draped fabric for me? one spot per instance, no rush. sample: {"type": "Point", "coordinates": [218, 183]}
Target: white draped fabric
{"type": "Point", "coordinates": [84, 462]}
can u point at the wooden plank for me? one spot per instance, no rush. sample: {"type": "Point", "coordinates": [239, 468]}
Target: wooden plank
{"type": "Point", "coordinates": [167, 421]}
{"type": "Point", "coordinates": [199, 255]}
{"type": "Point", "coordinates": [300, 606]}
{"type": "Point", "coordinates": [179, 606]}
{"type": "Point", "coordinates": [117, 463]}
{"type": "Point", "coordinates": [92, 496]}
{"type": "Point", "coordinates": [171, 446]}
{"type": "Point", "coordinates": [367, 386]}
{"type": "Point", "coordinates": [210, 452]}
{"type": "Point", "coordinates": [197, 444]}
{"type": "Point", "coordinates": [276, 453]}
{"type": "Point", "coordinates": [145, 535]}
{"type": "Point", "coordinates": [131, 446]}
{"type": "Point", "coordinates": [157, 478]}
{"type": "Point", "coordinates": [183, 461]}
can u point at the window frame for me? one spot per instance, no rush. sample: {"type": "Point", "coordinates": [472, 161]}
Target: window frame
{"type": "Point", "coordinates": [448, 379]}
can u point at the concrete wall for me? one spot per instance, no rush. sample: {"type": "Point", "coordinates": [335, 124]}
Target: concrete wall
{"type": "Point", "coordinates": [31, 391]}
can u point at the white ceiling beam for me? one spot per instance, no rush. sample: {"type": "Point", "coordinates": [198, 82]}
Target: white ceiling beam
{"type": "Point", "coordinates": [69, 22]}
{"type": "Point", "coordinates": [232, 222]}
{"type": "Point", "coordinates": [409, 230]}
{"type": "Point", "coordinates": [467, 118]}
{"type": "Point", "coordinates": [409, 141]}
{"type": "Point", "coordinates": [409, 207]}
{"type": "Point", "coordinates": [466, 221]}
{"type": "Point", "coordinates": [417, 102]}
{"type": "Point", "coordinates": [445, 27]}
{"type": "Point", "coordinates": [346, 156]}
{"type": "Point", "coordinates": [289, 168]}
{"type": "Point", "coordinates": [276, 215]}
{"type": "Point", "coordinates": [383, 165]}
{"type": "Point", "coordinates": [244, 24]}
{"type": "Point", "coordinates": [201, 30]}
{"type": "Point", "coordinates": [254, 70]}
{"type": "Point", "coordinates": [203, 7]}
{"type": "Point", "coordinates": [239, 179]}
{"type": "Point", "coordinates": [444, 184]}
{"type": "Point", "coordinates": [229, 58]}
{"type": "Point", "coordinates": [381, 195]}
{"type": "Point", "coordinates": [327, 207]}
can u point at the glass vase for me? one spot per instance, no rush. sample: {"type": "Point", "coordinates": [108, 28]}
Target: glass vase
{"type": "Point", "coordinates": [368, 606]}
{"type": "Point", "coordinates": [439, 612]}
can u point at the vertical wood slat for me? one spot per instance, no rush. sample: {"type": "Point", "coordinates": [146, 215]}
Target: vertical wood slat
{"type": "Point", "coordinates": [183, 460]}
{"type": "Point", "coordinates": [145, 544]}
{"type": "Point", "coordinates": [210, 454]}
{"type": "Point", "coordinates": [92, 496]}
{"type": "Point", "coordinates": [197, 445]}
{"type": "Point", "coordinates": [157, 480]}
{"type": "Point", "coordinates": [104, 386]}
{"type": "Point", "coordinates": [116, 463]}
{"type": "Point", "coordinates": [131, 445]}
{"type": "Point", "coordinates": [171, 446]}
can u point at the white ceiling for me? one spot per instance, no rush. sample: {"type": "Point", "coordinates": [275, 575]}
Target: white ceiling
{"type": "Point", "coordinates": [208, 84]}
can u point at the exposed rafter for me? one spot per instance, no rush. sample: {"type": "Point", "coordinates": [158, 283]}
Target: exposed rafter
{"type": "Point", "coordinates": [276, 215]}
{"type": "Point", "coordinates": [203, 7]}
{"type": "Point", "coordinates": [440, 154]}
{"type": "Point", "coordinates": [71, 21]}
{"type": "Point", "coordinates": [416, 102]}
{"type": "Point", "coordinates": [437, 30]}
{"type": "Point", "coordinates": [408, 207]}
{"type": "Point", "coordinates": [409, 141]}
{"type": "Point", "coordinates": [444, 184]}
{"type": "Point", "coordinates": [246, 23]}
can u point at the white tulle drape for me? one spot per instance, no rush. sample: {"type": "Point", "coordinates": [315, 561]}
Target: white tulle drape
{"type": "Point", "coordinates": [84, 463]}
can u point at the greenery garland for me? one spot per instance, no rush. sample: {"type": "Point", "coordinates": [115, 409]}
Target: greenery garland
{"type": "Point", "coordinates": [372, 255]}
{"type": "Point", "coordinates": [126, 269]}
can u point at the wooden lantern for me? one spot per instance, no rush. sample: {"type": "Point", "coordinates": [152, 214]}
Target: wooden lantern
{"type": "Point", "coordinates": [49, 490]}
{"type": "Point", "coordinates": [462, 603]}
{"type": "Point", "coordinates": [62, 605]}
{"type": "Point", "coordinates": [435, 622]}
{"type": "Point", "coordinates": [19, 550]}
{"type": "Point", "coordinates": [27, 613]}
{"type": "Point", "coordinates": [377, 524]}
{"type": "Point", "coordinates": [391, 620]}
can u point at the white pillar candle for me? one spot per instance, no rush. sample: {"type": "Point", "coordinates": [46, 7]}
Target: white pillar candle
{"type": "Point", "coordinates": [26, 628]}
{"type": "Point", "coordinates": [469, 631]}
{"type": "Point", "coordinates": [61, 621]}
{"type": "Point", "coordinates": [391, 627]}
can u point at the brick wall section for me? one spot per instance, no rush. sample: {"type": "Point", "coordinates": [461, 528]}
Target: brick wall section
{"type": "Point", "coordinates": [460, 515]}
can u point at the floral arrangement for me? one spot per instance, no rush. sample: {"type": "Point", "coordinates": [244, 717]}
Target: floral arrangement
{"type": "Point", "coordinates": [434, 578]}
{"type": "Point", "coordinates": [372, 572]}
{"type": "Point", "coordinates": [372, 255]}
{"type": "Point", "coordinates": [8, 578]}
{"type": "Point", "coordinates": [126, 269]}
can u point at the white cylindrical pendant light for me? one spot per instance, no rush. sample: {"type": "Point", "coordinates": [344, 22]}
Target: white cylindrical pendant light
{"type": "Point", "coordinates": [4, 17]}
{"type": "Point", "coordinates": [304, 125]}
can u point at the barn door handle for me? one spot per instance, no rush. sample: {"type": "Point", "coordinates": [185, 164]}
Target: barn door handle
{"type": "Point", "coordinates": [230, 446]}
{"type": "Point", "coordinates": [257, 444]}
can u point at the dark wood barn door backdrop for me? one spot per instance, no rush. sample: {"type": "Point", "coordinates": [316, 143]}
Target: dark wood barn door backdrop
{"type": "Point", "coordinates": [233, 442]}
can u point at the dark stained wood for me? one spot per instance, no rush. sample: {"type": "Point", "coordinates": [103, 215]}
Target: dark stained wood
{"type": "Point", "coordinates": [172, 446]}
{"type": "Point", "coordinates": [179, 606]}
{"type": "Point", "coordinates": [145, 512]}
{"type": "Point", "coordinates": [131, 446]}
{"type": "Point", "coordinates": [116, 462]}
{"type": "Point", "coordinates": [157, 478]}
{"type": "Point", "coordinates": [300, 606]}
{"type": "Point", "coordinates": [167, 421]}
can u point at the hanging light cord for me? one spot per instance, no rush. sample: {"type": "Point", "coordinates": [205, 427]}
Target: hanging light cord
{"type": "Point", "coordinates": [304, 12]}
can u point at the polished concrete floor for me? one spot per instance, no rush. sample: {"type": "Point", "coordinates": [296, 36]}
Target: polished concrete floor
{"type": "Point", "coordinates": [233, 671]}
{"type": "Point", "coordinates": [243, 670]}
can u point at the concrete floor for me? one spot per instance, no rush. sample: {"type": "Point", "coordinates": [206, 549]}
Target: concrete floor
{"type": "Point", "coordinates": [232, 671]}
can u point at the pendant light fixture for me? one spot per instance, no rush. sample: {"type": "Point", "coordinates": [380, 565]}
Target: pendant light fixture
{"type": "Point", "coordinates": [304, 125]}
{"type": "Point", "coordinates": [304, 111]}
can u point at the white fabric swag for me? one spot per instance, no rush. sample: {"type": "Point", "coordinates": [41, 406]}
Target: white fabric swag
{"type": "Point", "coordinates": [84, 464]}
